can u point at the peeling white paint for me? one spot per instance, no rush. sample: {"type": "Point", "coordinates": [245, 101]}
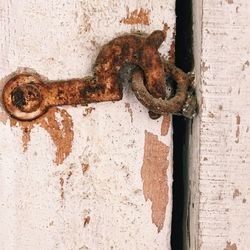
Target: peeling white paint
{"type": "Point", "coordinates": [220, 160]}
{"type": "Point", "coordinates": [45, 206]}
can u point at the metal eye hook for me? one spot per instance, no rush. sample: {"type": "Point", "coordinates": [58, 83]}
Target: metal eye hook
{"type": "Point", "coordinates": [182, 103]}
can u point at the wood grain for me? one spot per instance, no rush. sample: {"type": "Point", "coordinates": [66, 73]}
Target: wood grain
{"type": "Point", "coordinates": [220, 160]}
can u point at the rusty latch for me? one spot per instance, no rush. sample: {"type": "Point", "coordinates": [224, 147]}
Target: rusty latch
{"type": "Point", "coordinates": [27, 96]}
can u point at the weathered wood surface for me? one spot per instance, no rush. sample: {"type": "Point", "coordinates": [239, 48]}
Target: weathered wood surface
{"type": "Point", "coordinates": [220, 159]}
{"type": "Point", "coordinates": [96, 177]}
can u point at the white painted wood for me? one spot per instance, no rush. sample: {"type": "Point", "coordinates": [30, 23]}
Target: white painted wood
{"type": "Point", "coordinates": [220, 160]}
{"type": "Point", "coordinates": [76, 182]}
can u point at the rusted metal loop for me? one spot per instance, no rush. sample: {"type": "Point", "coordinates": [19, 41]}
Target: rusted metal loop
{"type": "Point", "coordinates": [178, 104]}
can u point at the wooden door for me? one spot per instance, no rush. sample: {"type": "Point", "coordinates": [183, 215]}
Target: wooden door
{"type": "Point", "coordinates": [96, 177]}
{"type": "Point", "coordinates": [219, 164]}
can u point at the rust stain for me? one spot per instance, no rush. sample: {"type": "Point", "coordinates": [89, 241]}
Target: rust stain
{"type": "Point", "coordinates": [230, 1]}
{"type": "Point", "coordinates": [26, 128]}
{"type": "Point", "coordinates": [230, 246]}
{"type": "Point", "coordinates": [61, 133]}
{"type": "Point", "coordinates": [61, 136]}
{"type": "Point", "coordinates": [85, 168]}
{"type": "Point", "coordinates": [88, 111]}
{"type": "Point", "coordinates": [26, 136]}
{"type": "Point", "coordinates": [69, 175]}
{"type": "Point", "coordinates": [154, 176]}
{"type": "Point", "coordinates": [236, 193]}
{"type": "Point", "coordinates": [127, 106]}
{"type": "Point", "coordinates": [237, 134]}
{"type": "Point", "coordinates": [165, 125]}
{"type": "Point", "coordinates": [166, 28]}
{"type": "Point", "coordinates": [86, 26]}
{"type": "Point", "coordinates": [86, 221]}
{"type": "Point", "coordinates": [62, 188]}
{"type": "Point", "coordinates": [138, 16]}
{"type": "Point", "coordinates": [171, 52]}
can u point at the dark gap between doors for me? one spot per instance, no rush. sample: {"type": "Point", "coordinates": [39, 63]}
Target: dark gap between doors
{"type": "Point", "coordinates": [183, 60]}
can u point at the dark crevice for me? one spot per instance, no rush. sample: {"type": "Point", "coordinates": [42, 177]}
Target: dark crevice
{"type": "Point", "coordinates": [183, 60]}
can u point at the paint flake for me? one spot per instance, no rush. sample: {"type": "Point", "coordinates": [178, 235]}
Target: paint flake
{"type": "Point", "coordinates": [127, 106]}
{"type": "Point", "coordinates": [138, 16]}
{"type": "Point", "coordinates": [154, 176]}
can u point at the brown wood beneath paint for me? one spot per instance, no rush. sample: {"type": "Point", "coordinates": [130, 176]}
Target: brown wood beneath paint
{"type": "Point", "coordinates": [154, 176]}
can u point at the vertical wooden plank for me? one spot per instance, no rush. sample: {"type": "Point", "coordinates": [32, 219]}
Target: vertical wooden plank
{"type": "Point", "coordinates": [220, 190]}
{"type": "Point", "coordinates": [96, 177]}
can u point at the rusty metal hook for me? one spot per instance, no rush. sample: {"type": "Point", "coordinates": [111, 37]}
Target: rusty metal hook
{"type": "Point", "coordinates": [28, 96]}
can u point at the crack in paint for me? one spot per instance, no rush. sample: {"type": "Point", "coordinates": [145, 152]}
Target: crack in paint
{"type": "Point", "coordinates": [237, 133]}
